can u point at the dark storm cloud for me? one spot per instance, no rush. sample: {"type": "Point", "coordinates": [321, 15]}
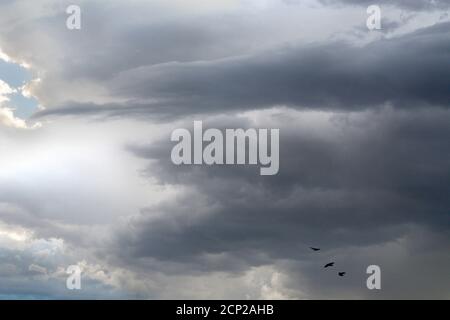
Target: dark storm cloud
{"type": "Point", "coordinates": [405, 72]}
{"type": "Point", "coordinates": [371, 185]}
{"type": "Point", "coordinates": [332, 76]}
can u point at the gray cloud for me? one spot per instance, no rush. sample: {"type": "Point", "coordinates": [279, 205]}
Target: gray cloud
{"type": "Point", "coordinates": [408, 4]}
{"type": "Point", "coordinates": [372, 181]}
{"type": "Point", "coordinates": [363, 165]}
{"type": "Point", "coordinates": [334, 76]}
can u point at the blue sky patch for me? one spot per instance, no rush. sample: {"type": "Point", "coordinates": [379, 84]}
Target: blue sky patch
{"type": "Point", "coordinates": [16, 76]}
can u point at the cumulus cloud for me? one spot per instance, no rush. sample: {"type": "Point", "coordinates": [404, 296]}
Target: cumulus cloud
{"type": "Point", "coordinates": [8, 119]}
{"type": "Point", "coordinates": [5, 90]}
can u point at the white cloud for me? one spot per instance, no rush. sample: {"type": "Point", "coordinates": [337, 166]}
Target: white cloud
{"type": "Point", "coordinates": [36, 268]}
{"type": "Point", "coordinates": [8, 119]}
{"type": "Point", "coordinates": [5, 90]}
{"type": "Point", "coordinates": [4, 56]}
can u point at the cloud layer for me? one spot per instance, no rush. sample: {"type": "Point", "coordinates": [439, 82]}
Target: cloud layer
{"type": "Point", "coordinates": [364, 150]}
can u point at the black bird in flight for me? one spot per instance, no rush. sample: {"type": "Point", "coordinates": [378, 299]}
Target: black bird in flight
{"type": "Point", "coordinates": [330, 264]}
{"type": "Point", "coordinates": [314, 249]}
{"type": "Point", "coordinates": [341, 274]}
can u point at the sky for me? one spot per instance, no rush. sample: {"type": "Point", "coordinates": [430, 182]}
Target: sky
{"type": "Point", "coordinates": [86, 177]}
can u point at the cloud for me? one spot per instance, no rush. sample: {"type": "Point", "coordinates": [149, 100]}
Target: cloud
{"type": "Point", "coordinates": [364, 142]}
{"type": "Point", "coordinates": [38, 269]}
{"type": "Point", "coordinates": [74, 67]}
{"type": "Point", "coordinates": [334, 76]}
{"type": "Point", "coordinates": [8, 119]}
{"type": "Point", "coordinates": [349, 187]}
{"type": "Point", "coordinates": [408, 4]}
{"type": "Point", "coordinates": [5, 89]}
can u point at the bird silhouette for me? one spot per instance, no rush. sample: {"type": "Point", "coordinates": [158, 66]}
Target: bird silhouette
{"type": "Point", "coordinates": [341, 274]}
{"type": "Point", "coordinates": [314, 249]}
{"type": "Point", "coordinates": [330, 264]}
